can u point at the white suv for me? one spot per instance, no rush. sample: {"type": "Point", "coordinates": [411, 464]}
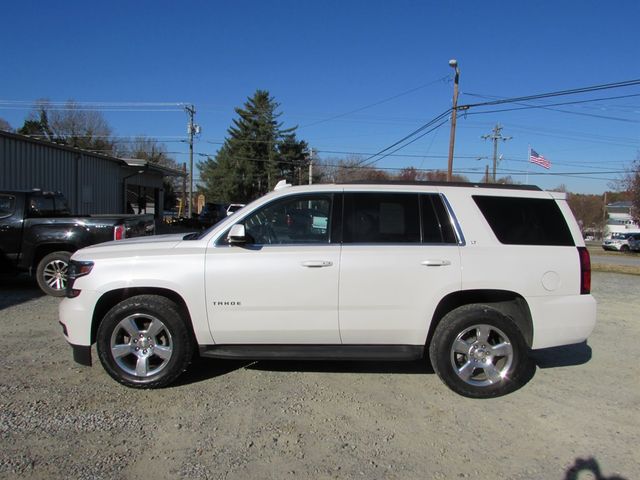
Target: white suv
{"type": "Point", "coordinates": [473, 276]}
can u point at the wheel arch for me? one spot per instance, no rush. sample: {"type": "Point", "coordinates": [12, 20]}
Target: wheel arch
{"type": "Point", "coordinates": [110, 299]}
{"type": "Point", "coordinates": [511, 304]}
{"type": "Point", "coordinates": [45, 249]}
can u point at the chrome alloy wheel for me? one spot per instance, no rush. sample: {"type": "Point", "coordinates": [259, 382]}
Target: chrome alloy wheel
{"type": "Point", "coordinates": [141, 345]}
{"type": "Point", "coordinates": [482, 355]}
{"type": "Point", "coordinates": [55, 274]}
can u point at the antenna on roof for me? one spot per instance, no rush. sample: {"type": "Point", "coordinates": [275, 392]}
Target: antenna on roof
{"type": "Point", "coordinates": [281, 184]}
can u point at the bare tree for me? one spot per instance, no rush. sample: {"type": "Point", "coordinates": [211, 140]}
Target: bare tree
{"type": "Point", "coordinates": [4, 125]}
{"type": "Point", "coordinates": [71, 125]}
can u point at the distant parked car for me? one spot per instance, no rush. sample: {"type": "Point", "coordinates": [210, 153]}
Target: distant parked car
{"type": "Point", "coordinates": [212, 213]}
{"type": "Point", "coordinates": [634, 243]}
{"type": "Point", "coordinates": [620, 242]}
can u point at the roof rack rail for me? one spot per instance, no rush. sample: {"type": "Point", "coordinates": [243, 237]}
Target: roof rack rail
{"type": "Point", "coordinates": [442, 184]}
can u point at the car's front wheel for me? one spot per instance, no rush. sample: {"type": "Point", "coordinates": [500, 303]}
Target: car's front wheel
{"type": "Point", "coordinates": [143, 342]}
{"type": "Point", "coordinates": [479, 352]}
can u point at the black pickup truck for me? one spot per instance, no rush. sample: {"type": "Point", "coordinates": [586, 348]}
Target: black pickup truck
{"type": "Point", "coordinates": [38, 234]}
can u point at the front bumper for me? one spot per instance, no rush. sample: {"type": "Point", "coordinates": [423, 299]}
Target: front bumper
{"type": "Point", "coordinates": [76, 315]}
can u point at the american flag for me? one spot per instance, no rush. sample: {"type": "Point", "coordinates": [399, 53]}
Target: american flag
{"type": "Point", "coordinates": [535, 157]}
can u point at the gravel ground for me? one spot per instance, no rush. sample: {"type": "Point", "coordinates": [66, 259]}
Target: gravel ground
{"type": "Point", "coordinates": [577, 418]}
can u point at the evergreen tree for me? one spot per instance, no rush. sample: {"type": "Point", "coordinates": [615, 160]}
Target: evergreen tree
{"type": "Point", "coordinates": [257, 153]}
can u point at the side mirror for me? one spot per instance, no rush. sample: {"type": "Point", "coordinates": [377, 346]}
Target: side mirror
{"type": "Point", "coordinates": [237, 234]}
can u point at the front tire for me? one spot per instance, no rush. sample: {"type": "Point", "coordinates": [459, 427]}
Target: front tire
{"type": "Point", "coordinates": [143, 342]}
{"type": "Point", "coordinates": [51, 273]}
{"type": "Point", "coordinates": [479, 352]}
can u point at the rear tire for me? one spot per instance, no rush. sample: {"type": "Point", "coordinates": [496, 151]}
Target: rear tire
{"type": "Point", "coordinates": [143, 342]}
{"type": "Point", "coordinates": [51, 273]}
{"type": "Point", "coordinates": [479, 352]}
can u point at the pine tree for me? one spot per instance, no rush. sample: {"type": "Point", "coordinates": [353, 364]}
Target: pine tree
{"type": "Point", "coordinates": [257, 153]}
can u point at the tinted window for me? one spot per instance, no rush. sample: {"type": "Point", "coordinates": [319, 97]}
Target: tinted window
{"type": "Point", "coordinates": [381, 218]}
{"type": "Point", "coordinates": [436, 224]}
{"type": "Point", "coordinates": [525, 221]}
{"type": "Point", "coordinates": [48, 206]}
{"type": "Point", "coordinates": [294, 220]}
{"type": "Point", "coordinates": [7, 205]}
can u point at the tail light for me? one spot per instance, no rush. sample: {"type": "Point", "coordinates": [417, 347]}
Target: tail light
{"type": "Point", "coordinates": [119, 232]}
{"type": "Point", "coordinates": [585, 270]}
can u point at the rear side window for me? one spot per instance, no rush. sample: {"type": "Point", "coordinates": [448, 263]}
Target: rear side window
{"type": "Point", "coordinates": [525, 221]}
{"type": "Point", "coordinates": [381, 218]}
{"type": "Point", "coordinates": [48, 206]}
{"type": "Point", "coordinates": [7, 205]}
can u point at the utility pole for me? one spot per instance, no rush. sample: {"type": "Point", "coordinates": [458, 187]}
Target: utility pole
{"type": "Point", "coordinates": [184, 190]}
{"type": "Point", "coordinates": [311, 166]}
{"type": "Point", "coordinates": [453, 63]}
{"type": "Point", "coordinates": [495, 136]}
{"type": "Point", "coordinates": [192, 129]}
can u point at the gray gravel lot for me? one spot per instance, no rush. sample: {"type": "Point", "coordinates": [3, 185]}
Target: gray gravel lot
{"type": "Point", "coordinates": [577, 418]}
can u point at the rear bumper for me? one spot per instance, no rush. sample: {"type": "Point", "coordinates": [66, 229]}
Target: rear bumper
{"type": "Point", "coordinates": [562, 320]}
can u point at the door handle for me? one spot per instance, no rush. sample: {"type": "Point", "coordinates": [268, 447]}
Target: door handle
{"type": "Point", "coordinates": [316, 263]}
{"type": "Point", "coordinates": [436, 263]}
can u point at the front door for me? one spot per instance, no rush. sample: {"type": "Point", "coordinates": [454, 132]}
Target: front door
{"type": "Point", "coordinates": [281, 287]}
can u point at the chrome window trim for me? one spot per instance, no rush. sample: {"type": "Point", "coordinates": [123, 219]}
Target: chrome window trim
{"type": "Point", "coordinates": [454, 221]}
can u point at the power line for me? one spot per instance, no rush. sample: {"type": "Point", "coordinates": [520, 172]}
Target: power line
{"type": "Point", "coordinates": [406, 137]}
{"type": "Point", "coordinates": [576, 102]}
{"type": "Point", "coordinates": [559, 93]}
{"type": "Point", "coordinates": [446, 120]}
{"type": "Point", "coordinates": [374, 104]}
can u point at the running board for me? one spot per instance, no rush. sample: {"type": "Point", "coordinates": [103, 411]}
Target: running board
{"type": "Point", "coordinates": [314, 352]}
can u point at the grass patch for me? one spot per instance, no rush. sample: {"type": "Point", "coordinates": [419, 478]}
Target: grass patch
{"type": "Point", "coordinates": [607, 267]}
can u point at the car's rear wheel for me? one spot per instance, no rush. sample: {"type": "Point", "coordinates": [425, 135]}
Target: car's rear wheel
{"type": "Point", "coordinates": [479, 352]}
{"type": "Point", "coordinates": [143, 342]}
{"type": "Point", "coordinates": [51, 273]}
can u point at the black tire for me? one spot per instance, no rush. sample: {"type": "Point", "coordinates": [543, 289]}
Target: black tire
{"type": "Point", "coordinates": [479, 352]}
{"type": "Point", "coordinates": [51, 273]}
{"type": "Point", "coordinates": [138, 352]}
{"type": "Point", "coordinates": [624, 248]}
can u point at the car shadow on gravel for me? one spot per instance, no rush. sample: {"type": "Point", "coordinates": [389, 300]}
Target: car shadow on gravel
{"type": "Point", "coordinates": [565, 356]}
{"type": "Point", "coordinates": [15, 290]}
{"type": "Point", "coordinates": [203, 369]}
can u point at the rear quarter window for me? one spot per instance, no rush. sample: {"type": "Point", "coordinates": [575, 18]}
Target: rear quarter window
{"type": "Point", "coordinates": [525, 221]}
{"type": "Point", "coordinates": [7, 205]}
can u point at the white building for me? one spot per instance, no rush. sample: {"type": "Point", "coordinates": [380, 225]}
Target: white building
{"type": "Point", "coordinates": [620, 220]}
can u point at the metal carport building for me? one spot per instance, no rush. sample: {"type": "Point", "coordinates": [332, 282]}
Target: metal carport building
{"type": "Point", "coordinates": [93, 183]}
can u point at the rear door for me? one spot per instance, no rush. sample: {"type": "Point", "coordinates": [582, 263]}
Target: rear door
{"type": "Point", "coordinates": [400, 256]}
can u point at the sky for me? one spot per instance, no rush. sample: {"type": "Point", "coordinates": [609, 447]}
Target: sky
{"type": "Point", "coordinates": [354, 76]}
